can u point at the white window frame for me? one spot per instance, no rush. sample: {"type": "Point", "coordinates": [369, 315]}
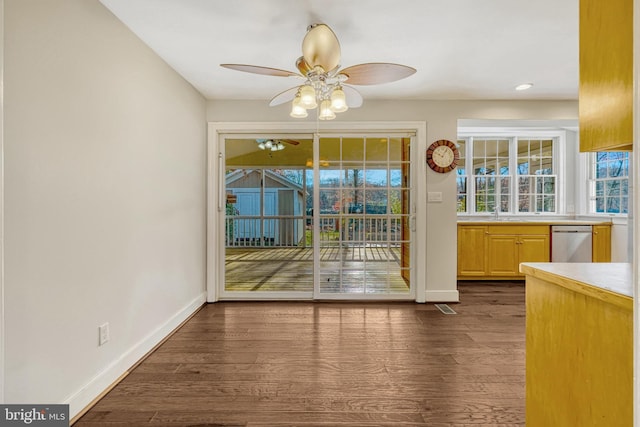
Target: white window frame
{"type": "Point", "coordinates": [589, 166]}
{"type": "Point", "coordinates": [513, 134]}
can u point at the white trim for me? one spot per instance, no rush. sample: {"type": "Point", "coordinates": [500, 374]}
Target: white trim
{"type": "Point", "coordinates": [442, 296]}
{"type": "Point", "coordinates": [215, 226]}
{"type": "Point", "coordinates": [419, 185]}
{"type": "Point", "coordinates": [582, 182]}
{"type": "Point", "coordinates": [105, 378]}
{"type": "Point", "coordinates": [212, 212]}
{"type": "Point", "coordinates": [2, 320]}
{"type": "Point", "coordinates": [509, 132]}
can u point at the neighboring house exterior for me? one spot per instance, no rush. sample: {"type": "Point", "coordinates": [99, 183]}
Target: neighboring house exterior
{"type": "Point", "coordinates": [277, 221]}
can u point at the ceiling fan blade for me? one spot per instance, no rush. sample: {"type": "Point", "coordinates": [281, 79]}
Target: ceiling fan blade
{"type": "Point", "coordinates": [255, 69]}
{"type": "Point", "coordinates": [290, 141]}
{"type": "Point", "coordinates": [353, 97]}
{"type": "Point", "coordinates": [376, 73]}
{"type": "Point", "coordinates": [283, 97]}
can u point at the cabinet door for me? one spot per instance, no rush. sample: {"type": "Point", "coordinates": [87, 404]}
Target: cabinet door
{"type": "Point", "coordinates": [606, 75]}
{"type": "Point", "coordinates": [471, 250]}
{"type": "Point", "coordinates": [502, 255]}
{"type": "Point", "coordinates": [533, 249]}
{"type": "Point", "coordinates": [601, 243]}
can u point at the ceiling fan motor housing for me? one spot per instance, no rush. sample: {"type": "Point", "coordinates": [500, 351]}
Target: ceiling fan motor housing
{"type": "Point", "coordinates": [320, 47]}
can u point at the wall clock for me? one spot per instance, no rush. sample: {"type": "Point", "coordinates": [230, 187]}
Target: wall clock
{"type": "Point", "coordinates": [443, 156]}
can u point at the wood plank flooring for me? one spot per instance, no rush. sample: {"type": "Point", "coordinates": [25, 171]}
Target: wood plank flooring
{"type": "Point", "coordinates": [365, 269]}
{"type": "Point", "coordinates": [334, 364]}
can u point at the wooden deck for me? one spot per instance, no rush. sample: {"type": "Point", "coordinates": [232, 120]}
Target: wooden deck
{"type": "Point", "coordinates": [260, 364]}
{"type": "Point", "coordinates": [343, 269]}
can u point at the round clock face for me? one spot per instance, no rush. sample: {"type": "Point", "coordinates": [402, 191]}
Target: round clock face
{"type": "Point", "coordinates": [442, 156]}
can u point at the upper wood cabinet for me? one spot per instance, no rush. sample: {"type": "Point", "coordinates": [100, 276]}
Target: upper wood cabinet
{"type": "Point", "coordinates": [606, 75]}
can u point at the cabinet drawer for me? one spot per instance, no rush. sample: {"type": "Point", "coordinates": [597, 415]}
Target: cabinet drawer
{"type": "Point", "coordinates": [518, 229]}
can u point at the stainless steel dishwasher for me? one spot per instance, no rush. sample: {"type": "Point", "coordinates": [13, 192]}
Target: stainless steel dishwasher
{"type": "Point", "coordinates": [571, 243]}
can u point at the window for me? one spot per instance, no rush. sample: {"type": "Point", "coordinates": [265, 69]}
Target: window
{"type": "Point", "coordinates": [461, 177]}
{"type": "Point", "coordinates": [536, 182]}
{"type": "Point", "coordinates": [609, 183]}
{"type": "Point", "coordinates": [508, 174]}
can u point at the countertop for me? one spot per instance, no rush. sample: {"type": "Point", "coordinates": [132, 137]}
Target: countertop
{"type": "Point", "coordinates": [516, 221]}
{"type": "Point", "coordinates": [606, 281]}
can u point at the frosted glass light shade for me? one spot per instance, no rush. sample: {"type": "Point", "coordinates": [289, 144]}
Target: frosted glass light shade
{"type": "Point", "coordinates": [297, 110]}
{"type": "Point", "coordinates": [338, 101]}
{"type": "Point", "coordinates": [326, 113]}
{"type": "Point", "coordinates": [308, 97]}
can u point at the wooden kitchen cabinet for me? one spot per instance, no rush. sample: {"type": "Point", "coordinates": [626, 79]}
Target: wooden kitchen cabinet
{"type": "Point", "coordinates": [601, 243]}
{"type": "Point", "coordinates": [508, 246]}
{"type": "Point", "coordinates": [606, 75]}
{"type": "Point", "coordinates": [496, 251]}
{"type": "Point", "coordinates": [471, 250]}
{"type": "Point", "coordinates": [579, 342]}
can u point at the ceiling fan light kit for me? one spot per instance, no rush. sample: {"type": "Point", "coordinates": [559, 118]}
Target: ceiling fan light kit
{"type": "Point", "coordinates": [298, 110]}
{"type": "Point", "coordinates": [269, 144]}
{"type": "Point", "coordinates": [324, 87]}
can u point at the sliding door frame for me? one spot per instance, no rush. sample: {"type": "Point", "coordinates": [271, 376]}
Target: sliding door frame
{"type": "Point", "coordinates": [215, 190]}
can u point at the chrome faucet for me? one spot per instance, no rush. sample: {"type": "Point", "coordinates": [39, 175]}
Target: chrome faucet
{"type": "Point", "coordinates": [495, 214]}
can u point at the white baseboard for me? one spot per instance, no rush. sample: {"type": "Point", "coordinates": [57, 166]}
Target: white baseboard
{"type": "Point", "coordinates": [79, 400]}
{"type": "Point", "coordinates": [442, 296]}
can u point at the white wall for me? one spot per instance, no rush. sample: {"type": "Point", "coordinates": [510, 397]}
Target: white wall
{"type": "Point", "coordinates": [2, 323]}
{"type": "Point", "coordinates": [442, 121]}
{"type": "Point", "coordinates": [105, 166]}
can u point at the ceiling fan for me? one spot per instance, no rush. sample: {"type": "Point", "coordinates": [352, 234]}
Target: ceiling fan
{"type": "Point", "coordinates": [325, 84]}
{"type": "Point", "coordinates": [274, 144]}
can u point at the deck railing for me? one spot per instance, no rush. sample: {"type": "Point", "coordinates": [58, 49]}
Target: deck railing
{"type": "Point", "coordinates": [288, 231]}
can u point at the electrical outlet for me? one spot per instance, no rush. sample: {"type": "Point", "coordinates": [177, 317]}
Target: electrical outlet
{"type": "Point", "coordinates": [103, 334]}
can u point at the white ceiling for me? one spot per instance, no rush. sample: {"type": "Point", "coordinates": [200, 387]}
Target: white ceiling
{"type": "Point", "coordinates": [462, 49]}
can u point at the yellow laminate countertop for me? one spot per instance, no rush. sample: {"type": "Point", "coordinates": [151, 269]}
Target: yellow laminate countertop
{"type": "Point", "coordinates": [611, 282]}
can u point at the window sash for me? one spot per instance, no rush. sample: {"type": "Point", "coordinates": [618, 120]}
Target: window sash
{"type": "Point", "coordinates": [518, 191]}
{"type": "Point", "coordinates": [609, 183]}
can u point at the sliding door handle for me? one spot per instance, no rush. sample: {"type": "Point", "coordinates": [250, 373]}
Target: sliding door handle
{"type": "Point", "coordinates": [412, 223]}
{"type": "Point", "coordinates": [221, 183]}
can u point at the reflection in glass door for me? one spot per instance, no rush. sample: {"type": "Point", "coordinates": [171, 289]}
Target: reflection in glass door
{"type": "Point", "coordinates": [321, 219]}
{"type": "Point", "coordinates": [364, 200]}
{"type": "Point", "coordinates": [268, 230]}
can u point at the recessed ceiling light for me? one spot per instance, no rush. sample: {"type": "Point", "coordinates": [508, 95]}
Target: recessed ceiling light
{"type": "Point", "coordinates": [524, 86]}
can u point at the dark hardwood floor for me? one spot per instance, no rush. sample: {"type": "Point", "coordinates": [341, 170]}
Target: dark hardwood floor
{"type": "Point", "coordinates": [334, 364]}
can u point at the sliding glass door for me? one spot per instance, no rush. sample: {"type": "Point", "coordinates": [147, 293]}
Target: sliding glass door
{"type": "Point", "coordinates": [364, 221]}
{"type": "Point", "coordinates": [317, 217]}
{"type": "Point", "coordinates": [267, 247]}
